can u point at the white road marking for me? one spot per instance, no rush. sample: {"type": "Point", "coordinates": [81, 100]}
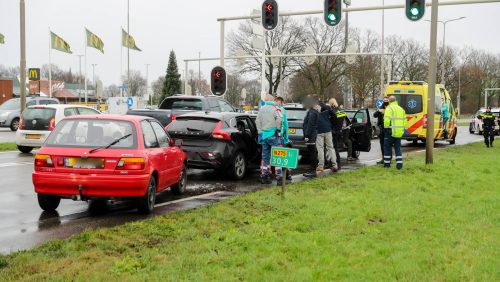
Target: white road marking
{"type": "Point", "coordinates": [190, 198]}
{"type": "Point", "coordinates": [15, 164]}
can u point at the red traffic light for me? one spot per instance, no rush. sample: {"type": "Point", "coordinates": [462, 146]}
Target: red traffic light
{"type": "Point", "coordinates": [270, 14]}
{"type": "Point", "coordinates": [217, 74]}
{"type": "Point", "coordinates": [269, 7]}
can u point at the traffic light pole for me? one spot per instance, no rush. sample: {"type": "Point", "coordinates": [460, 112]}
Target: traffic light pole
{"type": "Point", "coordinates": [431, 98]}
{"type": "Point", "coordinates": [22, 70]}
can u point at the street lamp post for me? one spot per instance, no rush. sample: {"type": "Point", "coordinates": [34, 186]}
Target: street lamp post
{"type": "Point", "coordinates": [23, 53]}
{"type": "Point", "coordinates": [80, 79]}
{"type": "Point", "coordinates": [93, 78]}
{"type": "Point", "coordinates": [147, 85]}
{"type": "Point", "coordinates": [444, 42]}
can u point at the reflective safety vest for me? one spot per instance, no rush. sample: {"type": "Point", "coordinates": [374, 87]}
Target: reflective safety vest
{"type": "Point", "coordinates": [395, 119]}
{"type": "Point", "coordinates": [341, 114]}
{"type": "Point", "coordinates": [488, 119]}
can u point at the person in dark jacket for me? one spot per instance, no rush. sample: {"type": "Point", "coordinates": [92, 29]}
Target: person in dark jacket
{"type": "Point", "coordinates": [324, 142]}
{"type": "Point", "coordinates": [488, 127]}
{"type": "Point", "coordinates": [379, 115]}
{"type": "Point", "coordinates": [310, 134]}
{"type": "Point", "coordinates": [337, 121]}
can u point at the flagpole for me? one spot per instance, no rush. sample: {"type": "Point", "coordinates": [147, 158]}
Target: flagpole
{"type": "Point", "coordinates": [85, 61]}
{"type": "Point", "coordinates": [121, 53]}
{"type": "Point", "coordinates": [128, 49]}
{"type": "Point", "coordinates": [50, 64]}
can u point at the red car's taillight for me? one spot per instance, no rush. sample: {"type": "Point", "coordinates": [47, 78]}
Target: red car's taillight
{"type": "Point", "coordinates": [52, 124]}
{"type": "Point", "coordinates": [43, 161]}
{"type": "Point", "coordinates": [218, 133]}
{"type": "Point", "coordinates": [20, 123]}
{"type": "Point", "coordinates": [131, 164]}
{"type": "Point", "coordinates": [174, 117]}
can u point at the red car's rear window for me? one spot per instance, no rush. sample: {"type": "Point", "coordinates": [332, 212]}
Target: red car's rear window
{"type": "Point", "coordinates": [90, 133]}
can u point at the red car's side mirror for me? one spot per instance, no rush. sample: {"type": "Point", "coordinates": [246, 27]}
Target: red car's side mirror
{"type": "Point", "coordinates": [175, 142]}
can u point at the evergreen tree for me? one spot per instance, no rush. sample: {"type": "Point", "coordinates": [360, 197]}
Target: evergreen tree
{"type": "Point", "coordinates": [172, 84]}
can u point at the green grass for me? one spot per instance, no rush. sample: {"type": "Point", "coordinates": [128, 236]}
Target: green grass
{"type": "Point", "coordinates": [426, 223]}
{"type": "Point", "coordinates": [463, 124]}
{"type": "Point", "coordinates": [8, 146]}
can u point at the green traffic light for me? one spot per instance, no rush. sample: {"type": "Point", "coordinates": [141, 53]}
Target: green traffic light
{"type": "Point", "coordinates": [414, 11]}
{"type": "Point", "coordinates": [332, 17]}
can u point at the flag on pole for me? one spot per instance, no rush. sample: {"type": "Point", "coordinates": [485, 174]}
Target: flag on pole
{"type": "Point", "coordinates": [128, 41]}
{"type": "Point", "coordinates": [59, 44]}
{"type": "Point", "coordinates": [94, 41]}
{"type": "Point", "coordinates": [2, 39]}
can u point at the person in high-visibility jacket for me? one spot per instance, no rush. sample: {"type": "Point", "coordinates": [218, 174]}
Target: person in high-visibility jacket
{"type": "Point", "coordinates": [394, 126]}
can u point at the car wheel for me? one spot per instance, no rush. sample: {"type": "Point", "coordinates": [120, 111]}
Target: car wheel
{"type": "Point", "coordinates": [180, 187]}
{"type": "Point", "coordinates": [48, 202]}
{"type": "Point", "coordinates": [14, 125]}
{"type": "Point", "coordinates": [146, 204]}
{"type": "Point", "coordinates": [25, 149]}
{"type": "Point", "coordinates": [355, 154]}
{"type": "Point", "coordinates": [471, 129]}
{"type": "Point", "coordinates": [239, 166]}
{"type": "Point", "coordinates": [453, 140]}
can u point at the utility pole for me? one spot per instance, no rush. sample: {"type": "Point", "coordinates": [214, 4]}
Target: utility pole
{"type": "Point", "coordinates": [382, 58]}
{"type": "Point", "coordinates": [93, 78]}
{"type": "Point", "coordinates": [80, 79]}
{"type": "Point", "coordinates": [347, 92]}
{"type": "Point", "coordinates": [147, 84]}
{"type": "Point", "coordinates": [199, 73]}
{"type": "Point", "coordinates": [22, 70]}
{"type": "Point", "coordinates": [431, 99]}
{"type": "Point", "coordinates": [128, 43]}
{"type": "Point", "coordinates": [459, 88]}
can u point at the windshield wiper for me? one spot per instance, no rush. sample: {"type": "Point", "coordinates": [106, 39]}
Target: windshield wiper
{"type": "Point", "coordinates": [110, 144]}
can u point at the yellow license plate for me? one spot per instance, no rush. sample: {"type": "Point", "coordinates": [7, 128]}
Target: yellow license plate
{"type": "Point", "coordinates": [84, 163]}
{"type": "Point", "coordinates": [33, 136]}
{"type": "Point", "coordinates": [292, 130]}
{"type": "Point", "coordinates": [279, 153]}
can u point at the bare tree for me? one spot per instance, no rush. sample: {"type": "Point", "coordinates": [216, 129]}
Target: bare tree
{"type": "Point", "coordinates": [288, 37]}
{"type": "Point", "coordinates": [137, 83]}
{"type": "Point", "coordinates": [326, 70]}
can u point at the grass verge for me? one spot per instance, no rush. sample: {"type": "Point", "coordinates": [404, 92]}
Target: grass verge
{"type": "Point", "coordinates": [426, 223]}
{"type": "Point", "coordinates": [8, 146]}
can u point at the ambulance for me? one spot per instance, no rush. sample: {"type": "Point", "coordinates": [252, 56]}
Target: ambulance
{"type": "Point", "coordinates": [412, 97]}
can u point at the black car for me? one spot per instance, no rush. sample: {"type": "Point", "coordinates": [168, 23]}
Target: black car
{"type": "Point", "coordinates": [222, 141]}
{"type": "Point", "coordinates": [360, 131]}
{"type": "Point", "coordinates": [177, 105]}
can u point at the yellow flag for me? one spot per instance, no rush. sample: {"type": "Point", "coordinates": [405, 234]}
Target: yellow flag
{"type": "Point", "coordinates": [128, 41]}
{"type": "Point", "coordinates": [59, 44]}
{"type": "Point", "coordinates": [94, 41]}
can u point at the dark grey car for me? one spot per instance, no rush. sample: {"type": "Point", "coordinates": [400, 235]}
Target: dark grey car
{"type": "Point", "coordinates": [10, 111]}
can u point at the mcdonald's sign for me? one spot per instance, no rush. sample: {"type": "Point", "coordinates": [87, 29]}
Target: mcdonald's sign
{"type": "Point", "coordinates": [34, 74]}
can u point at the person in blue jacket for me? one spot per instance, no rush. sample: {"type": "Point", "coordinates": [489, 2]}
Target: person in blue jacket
{"type": "Point", "coordinates": [279, 101]}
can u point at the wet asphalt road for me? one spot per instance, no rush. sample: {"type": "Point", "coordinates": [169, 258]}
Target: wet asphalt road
{"type": "Point", "coordinates": [6, 135]}
{"type": "Point", "coordinates": [23, 224]}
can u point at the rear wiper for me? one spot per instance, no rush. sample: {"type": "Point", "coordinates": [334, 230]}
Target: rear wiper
{"type": "Point", "coordinates": [193, 129]}
{"type": "Point", "coordinates": [110, 144]}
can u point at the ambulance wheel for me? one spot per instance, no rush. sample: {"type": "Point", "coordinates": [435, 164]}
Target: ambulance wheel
{"type": "Point", "coordinates": [453, 140]}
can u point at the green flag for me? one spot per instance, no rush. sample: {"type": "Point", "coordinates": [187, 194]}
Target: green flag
{"type": "Point", "coordinates": [59, 44]}
{"type": "Point", "coordinates": [128, 41]}
{"type": "Point", "coordinates": [2, 39]}
{"type": "Point", "coordinates": [94, 41]}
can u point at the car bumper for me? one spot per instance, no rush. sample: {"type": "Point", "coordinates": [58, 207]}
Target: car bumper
{"type": "Point", "coordinates": [213, 157]}
{"type": "Point", "coordinates": [92, 185]}
{"type": "Point", "coordinates": [22, 138]}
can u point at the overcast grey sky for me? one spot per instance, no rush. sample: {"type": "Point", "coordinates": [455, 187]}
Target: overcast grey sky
{"type": "Point", "coordinates": [157, 28]}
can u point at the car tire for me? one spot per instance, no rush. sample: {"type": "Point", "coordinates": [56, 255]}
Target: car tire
{"type": "Point", "coordinates": [25, 149]}
{"type": "Point", "coordinates": [146, 204]}
{"type": "Point", "coordinates": [453, 139]}
{"type": "Point", "coordinates": [48, 203]}
{"type": "Point", "coordinates": [355, 154]}
{"type": "Point", "coordinates": [180, 187]}
{"type": "Point", "coordinates": [471, 129]}
{"type": "Point", "coordinates": [238, 167]}
{"type": "Point", "coordinates": [14, 125]}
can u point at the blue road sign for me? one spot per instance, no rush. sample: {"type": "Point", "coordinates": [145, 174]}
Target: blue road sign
{"type": "Point", "coordinates": [130, 102]}
{"type": "Point", "coordinates": [379, 103]}
{"type": "Point", "coordinates": [123, 87]}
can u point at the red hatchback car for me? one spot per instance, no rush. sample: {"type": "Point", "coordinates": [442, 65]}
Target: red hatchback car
{"type": "Point", "coordinates": [103, 157]}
